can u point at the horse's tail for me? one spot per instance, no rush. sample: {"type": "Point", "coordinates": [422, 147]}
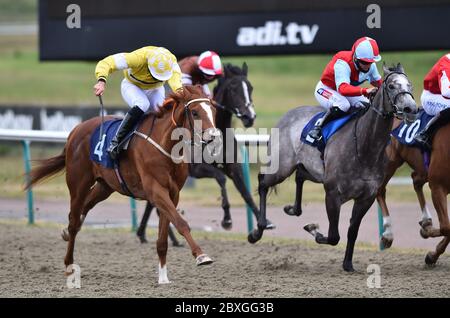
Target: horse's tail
{"type": "Point", "coordinates": [47, 168]}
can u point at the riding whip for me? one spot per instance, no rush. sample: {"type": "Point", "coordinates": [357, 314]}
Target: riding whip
{"type": "Point", "coordinates": [100, 136]}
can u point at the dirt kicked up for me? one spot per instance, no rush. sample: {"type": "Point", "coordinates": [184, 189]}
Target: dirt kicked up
{"type": "Point", "coordinates": [114, 264]}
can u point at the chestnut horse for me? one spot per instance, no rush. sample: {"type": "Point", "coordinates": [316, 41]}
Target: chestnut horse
{"type": "Point", "coordinates": [439, 181]}
{"type": "Point", "coordinates": [149, 170]}
{"type": "Point", "coordinates": [397, 154]}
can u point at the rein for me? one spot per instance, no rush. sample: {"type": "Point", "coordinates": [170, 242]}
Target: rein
{"type": "Point", "coordinates": [395, 110]}
{"type": "Point", "coordinates": [187, 113]}
{"type": "Point", "coordinates": [157, 146]}
{"type": "Point", "coordinates": [383, 114]}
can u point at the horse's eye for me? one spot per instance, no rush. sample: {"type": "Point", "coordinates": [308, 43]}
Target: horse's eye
{"type": "Point", "coordinates": [391, 86]}
{"type": "Point", "coordinates": [195, 114]}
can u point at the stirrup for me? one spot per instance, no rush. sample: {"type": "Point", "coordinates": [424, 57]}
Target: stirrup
{"type": "Point", "coordinates": [113, 151]}
{"type": "Point", "coordinates": [421, 139]}
{"type": "Point", "coordinates": [424, 141]}
{"type": "Point", "coordinates": [316, 136]}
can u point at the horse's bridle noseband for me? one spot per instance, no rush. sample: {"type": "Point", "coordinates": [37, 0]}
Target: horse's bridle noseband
{"type": "Point", "coordinates": [187, 114]}
{"type": "Point", "coordinates": [234, 111]}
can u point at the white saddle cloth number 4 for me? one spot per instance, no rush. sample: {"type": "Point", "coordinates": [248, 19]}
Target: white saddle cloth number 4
{"type": "Point", "coordinates": [98, 150]}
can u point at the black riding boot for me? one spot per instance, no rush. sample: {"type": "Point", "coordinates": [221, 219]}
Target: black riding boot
{"type": "Point", "coordinates": [331, 114]}
{"type": "Point", "coordinates": [130, 119]}
{"type": "Point", "coordinates": [425, 136]}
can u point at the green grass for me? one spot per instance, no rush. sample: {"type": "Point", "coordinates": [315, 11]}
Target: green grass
{"type": "Point", "coordinates": [50, 83]}
{"type": "Point", "coordinates": [280, 83]}
{"type": "Point", "coordinates": [18, 11]}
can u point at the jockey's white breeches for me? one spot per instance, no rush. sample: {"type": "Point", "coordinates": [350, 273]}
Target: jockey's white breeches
{"type": "Point", "coordinates": [433, 103]}
{"type": "Point", "coordinates": [144, 99]}
{"type": "Point", "coordinates": [328, 97]}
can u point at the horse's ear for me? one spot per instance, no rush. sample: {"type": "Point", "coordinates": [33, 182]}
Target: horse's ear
{"type": "Point", "coordinates": [385, 69]}
{"type": "Point", "coordinates": [168, 103]}
{"type": "Point", "coordinates": [400, 68]}
{"type": "Point", "coordinates": [226, 71]}
{"type": "Point", "coordinates": [245, 68]}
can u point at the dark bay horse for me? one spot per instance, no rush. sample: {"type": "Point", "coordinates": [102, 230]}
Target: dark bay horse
{"type": "Point", "coordinates": [150, 173]}
{"type": "Point", "coordinates": [439, 181]}
{"type": "Point", "coordinates": [353, 162]}
{"type": "Point", "coordinates": [233, 96]}
{"type": "Point", "coordinates": [397, 154]}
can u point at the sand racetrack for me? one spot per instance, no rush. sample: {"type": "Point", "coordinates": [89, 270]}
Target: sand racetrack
{"type": "Point", "coordinates": [114, 264]}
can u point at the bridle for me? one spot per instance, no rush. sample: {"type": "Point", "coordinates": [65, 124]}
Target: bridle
{"type": "Point", "coordinates": [384, 114]}
{"type": "Point", "coordinates": [393, 102]}
{"type": "Point", "coordinates": [235, 110]}
{"type": "Point", "coordinates": [188, 115]}
{"type": "Point", "coordinates": [231, 111]}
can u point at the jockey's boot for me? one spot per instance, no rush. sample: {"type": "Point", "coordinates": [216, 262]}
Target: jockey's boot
{"type": "Point", "coordinates": [128, 122]}
{"type": "Point", "coordinates": [331, 114]}
{"type": "Point", "coordinates": [425, 136]}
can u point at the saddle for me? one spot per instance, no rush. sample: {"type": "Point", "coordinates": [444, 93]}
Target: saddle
{"type": "Point", "coordinates": [327, 131]}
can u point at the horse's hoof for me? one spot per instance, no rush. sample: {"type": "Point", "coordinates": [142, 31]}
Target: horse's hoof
{"type": "Point", "coordinates": [69, 270]}
{"type": "Point", "coordinates": [348, 267]}
{"type": "Point", "coordinates": [203, 259]}
{"type": "Point", "coordinates": [227, 224]}
{"type": "Point", "coordinates": [424, 233]}
{"type": "Point", "coordinates": [429, 260]}
{"type": "Point", "coordinates": [65, 234]}
{"type": "Point", "coordinates": [142, 238]}
{"type": "Point", "coordinates": [270, 225]}
{"type": "Point", "coordinates": [311, 227]}
{"type": "Point", "coordinates": [320, 239]}
{"type": "Point", "coordinates": [425, 224]}
{"type": "Point", "coordinates": [163, 281]}
{"type": "Point", "coordinates": [177, 244]}
{"type": "Point", "coordinates": [386, 242]}
{"type": "Point", "coordinates": [289, 210]}
{"type": "Point", "coordinates": [254, 236]}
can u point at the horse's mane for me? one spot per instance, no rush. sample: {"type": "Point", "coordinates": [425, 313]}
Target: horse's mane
{"type": "Point", "coordinates": [233, 69]}
{"type": "Point", "coordinates": [229, 71]}
{"type": "Point", "coordinates": [396, 68]}
{"type": "Point", "coordinates": [180, 96]}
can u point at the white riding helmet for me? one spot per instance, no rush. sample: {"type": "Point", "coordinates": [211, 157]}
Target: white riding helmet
{"type": "Point", "coordinates": [161, 63]}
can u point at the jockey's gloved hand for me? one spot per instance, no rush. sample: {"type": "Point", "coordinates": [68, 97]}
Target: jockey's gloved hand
{"type": "Point", "coordinates": [370, 92]}
{"type": "Point", "coordinates": [99, 87]}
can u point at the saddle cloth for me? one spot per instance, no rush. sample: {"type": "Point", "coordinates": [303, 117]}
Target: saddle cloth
{"type": "Point", "coordinates": [98, 146]}
{"type": "Point", "coordinates": [405, 133]}
{"type": "Point", "coordinates": [327, 131]}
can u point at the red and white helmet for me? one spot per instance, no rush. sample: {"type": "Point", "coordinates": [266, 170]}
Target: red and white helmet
{"type": "Point", "coordinates": [366, 49]}
{"type": "Point", "coordinates": [209, 63]}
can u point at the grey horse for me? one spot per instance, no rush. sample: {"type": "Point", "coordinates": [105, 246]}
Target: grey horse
{"type": "Point", "coordinates": [353, 161]}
